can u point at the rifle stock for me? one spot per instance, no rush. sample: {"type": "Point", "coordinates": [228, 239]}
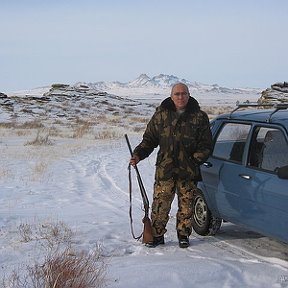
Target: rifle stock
{"type": "Point", "coordinates": [147, 231]}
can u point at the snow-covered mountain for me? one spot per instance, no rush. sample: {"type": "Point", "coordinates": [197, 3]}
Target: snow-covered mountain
{"type": "Point", "coordinates": [154, 89]}
{"type": "Point", "coordinates": [163, 81]}
{"type": "Point", "coordinates": [142, 81]}
{"type": "Point", "coordinates": [160, 80]}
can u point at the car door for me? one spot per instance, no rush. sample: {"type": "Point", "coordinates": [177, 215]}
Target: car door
{"type": "Point", "coordinates": [221, 180]}
{"type": "Point", "coordinates": [264, 199]}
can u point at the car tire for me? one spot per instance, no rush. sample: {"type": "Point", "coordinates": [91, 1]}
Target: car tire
{"type": "Point", "coordinates": [203, 222]}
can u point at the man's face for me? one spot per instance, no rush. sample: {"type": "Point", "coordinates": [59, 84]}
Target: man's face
{"type": "Point", "coordinates": [180, 96]}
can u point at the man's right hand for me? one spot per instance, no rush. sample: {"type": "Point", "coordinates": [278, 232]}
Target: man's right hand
{"type": "Point", "coordinates": [134, 160]}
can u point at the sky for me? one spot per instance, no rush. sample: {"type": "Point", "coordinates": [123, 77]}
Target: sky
{"type": "Point", "coordinates": [226, 42]}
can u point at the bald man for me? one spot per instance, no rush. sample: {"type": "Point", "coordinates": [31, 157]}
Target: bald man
{"type": "Point", "coordinates": [182, 131]}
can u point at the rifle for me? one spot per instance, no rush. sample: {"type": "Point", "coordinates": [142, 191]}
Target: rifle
{"type": "Point", "coordinates": [147, 232]}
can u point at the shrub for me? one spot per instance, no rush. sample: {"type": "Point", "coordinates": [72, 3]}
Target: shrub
{"type": "Point", "coordinates": [40, 140]}
{"type": "Point", "coordinates": [62, 266]}
{"type": "Point", "coordinates": [62, 270]}
{"type": "Point", "coordinates": [66, 269]}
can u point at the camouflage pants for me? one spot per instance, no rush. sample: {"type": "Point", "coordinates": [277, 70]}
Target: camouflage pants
{"type": "Point", "coordinates": [164, 193]}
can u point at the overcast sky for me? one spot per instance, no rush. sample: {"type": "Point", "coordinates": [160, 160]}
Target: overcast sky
{"type": "Point", "coordinates": [229, 42]}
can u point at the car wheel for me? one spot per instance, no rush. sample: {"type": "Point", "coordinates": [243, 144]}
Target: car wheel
{"type": "Point", "coordinates": [203, 222]}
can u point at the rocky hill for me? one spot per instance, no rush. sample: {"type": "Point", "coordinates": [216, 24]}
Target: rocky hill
{"type": "Point", "coordinates": [277, 93]}
{"type": "Point", "coordinates": [76, 106]}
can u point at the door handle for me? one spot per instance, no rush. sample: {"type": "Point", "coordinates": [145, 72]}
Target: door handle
{"type": "Point", "coordinates": [207, 164]}
{"type": "Point", "coordinates": [244, 176]}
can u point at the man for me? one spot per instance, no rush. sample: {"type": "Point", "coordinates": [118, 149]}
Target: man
{"type": "Point", "coordinates": [182, 132]}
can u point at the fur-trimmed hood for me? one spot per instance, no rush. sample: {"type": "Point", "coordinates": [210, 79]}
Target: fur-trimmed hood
{"type": "Point", "coordinates": [192, 105]}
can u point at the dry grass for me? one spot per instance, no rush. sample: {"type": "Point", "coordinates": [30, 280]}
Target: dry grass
{"type": "Point", "coordinates": [101, 126]}
{"type": "Point", "coordinates": [22, 132]}
{"type": "Point", "coordinates": [25, 232]}
{"type": "Point", "coordinates": [35, 124]}
{"type": "Point", "coordinates": [39, 169]}
{"type": "Point", "coordinates": [62, 266]}
{"type": "Point", "coordinates": [139, 129]}
{"type": "Point", "coordinates": [81, 130]}
{"type": "Point", "coordinates": [4, 173]}
{"type": "Point", "coordinates": [66, 269]}
{"type": "Point", "coordinates": [53, 234]}
{"type": "Point", "coordinates": [217, 110]}
{"type": "Point", "coordinates": [139, 120]}
{"type": "Point", "coordinates": [40, 139]}
{"type": "Point", "coordinates": [107, 134]}
{"type": "Point", "coordinates": [62, 270]}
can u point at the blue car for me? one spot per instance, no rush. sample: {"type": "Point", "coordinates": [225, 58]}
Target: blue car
{"type": "Point", "coordinates": [245, 180]}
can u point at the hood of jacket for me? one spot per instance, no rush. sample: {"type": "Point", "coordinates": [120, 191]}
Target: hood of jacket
{"type": "Point", "coordinates": [192, 105]}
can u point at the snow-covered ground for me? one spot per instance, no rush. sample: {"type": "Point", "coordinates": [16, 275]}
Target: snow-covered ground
{"type": "Point", "coordinates": [83, 183]}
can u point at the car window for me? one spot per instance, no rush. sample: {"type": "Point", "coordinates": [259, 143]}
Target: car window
{"type": "Point", "coordinates": [269, 149]}
{"type": "Point", "coordinates": [231, 141]}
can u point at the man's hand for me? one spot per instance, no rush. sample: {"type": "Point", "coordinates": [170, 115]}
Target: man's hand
{"type": "Point", "coordinates": [134, 160]}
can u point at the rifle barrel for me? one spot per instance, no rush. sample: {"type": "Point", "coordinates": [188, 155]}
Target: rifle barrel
{"type": "Point", "coordinates": [140, 183]}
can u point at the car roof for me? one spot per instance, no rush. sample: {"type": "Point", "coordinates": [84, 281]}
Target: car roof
{"type": "Point", "coordinates": [275, 116]}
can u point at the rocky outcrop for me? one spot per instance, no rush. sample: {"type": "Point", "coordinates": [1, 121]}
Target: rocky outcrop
{"type": "Point", "coordinates": [282, 87]}
{"type": "Point", "coordinates": [278, 93]}
{"type": "Point", "coordinates": [5, 101]}
{"type": "Point", "coordinates": [69, 101]}
{"type": "Point", "coordinates": [2, 95]}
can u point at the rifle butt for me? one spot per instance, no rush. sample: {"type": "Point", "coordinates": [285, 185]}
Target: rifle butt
{"type": "Point", "coordinates": [147, 232]}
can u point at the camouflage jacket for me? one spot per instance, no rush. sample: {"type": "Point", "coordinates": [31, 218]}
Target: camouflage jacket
{"type": "Point", "coordinates": [184, 140]}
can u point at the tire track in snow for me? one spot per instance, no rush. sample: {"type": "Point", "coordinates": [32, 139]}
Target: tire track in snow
{"type": "Point", "coordinates": [95, 179]}
{"type": "Point", "coordinates": [88, 188]}
{"type": "Point", "coordinates": [94, 194]}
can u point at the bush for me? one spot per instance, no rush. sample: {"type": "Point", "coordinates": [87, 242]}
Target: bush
{"type": "Point", "coordinates": [62, 266]}
{"type": "Point", "coordinates": [73, 270]}
{"type": "Point", "coordinates": [40, 140]}
{"type": "Point", "coordinates": [62, 270]}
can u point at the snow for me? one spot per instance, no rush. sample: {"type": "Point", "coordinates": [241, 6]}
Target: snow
{"type": "Point", "coordinates": [84, 184]}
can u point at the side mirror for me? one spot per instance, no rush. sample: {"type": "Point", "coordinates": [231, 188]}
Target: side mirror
{"type": "Point", "coordinates": [282, 172]}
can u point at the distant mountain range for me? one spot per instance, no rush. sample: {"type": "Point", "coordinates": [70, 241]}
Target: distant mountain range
{"type": "Point", "coordinates": [160, 80]}
{"type": "Point", "coordinates": [163, 81]}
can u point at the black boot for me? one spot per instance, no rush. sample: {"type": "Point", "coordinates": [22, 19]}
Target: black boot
{"type": "Point", "coordinates": [183, 241]}
{"type": "Point", "coordinates": [156, 241]}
